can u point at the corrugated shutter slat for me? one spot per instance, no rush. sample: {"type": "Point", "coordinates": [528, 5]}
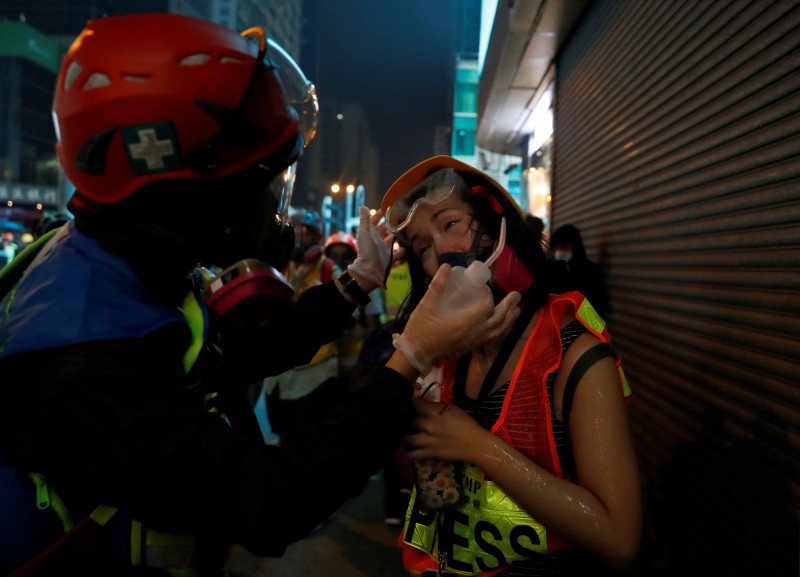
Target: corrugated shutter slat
{"type": "Point", "coordinates": [677, 154]}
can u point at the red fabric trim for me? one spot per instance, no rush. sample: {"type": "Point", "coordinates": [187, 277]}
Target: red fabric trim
{"type": "Point", "coordinates": [66, 555]}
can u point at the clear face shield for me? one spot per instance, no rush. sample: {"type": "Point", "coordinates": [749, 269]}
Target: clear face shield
{"type": "Point", "coordinates": [300, 92]}
{"type": "Point", "coordinates": [260, 243]}
{"type": "Point", "coordinates": [281, 188]}
{"type": "Point", "coordinates": [302, 97]}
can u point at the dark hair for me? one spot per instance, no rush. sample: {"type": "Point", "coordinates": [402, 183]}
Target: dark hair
{"type": "Point", "coordinates": [520, 234]}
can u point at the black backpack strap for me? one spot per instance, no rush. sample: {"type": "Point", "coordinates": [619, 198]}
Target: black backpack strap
{"type": "Point", "coordinates": [583, 364]}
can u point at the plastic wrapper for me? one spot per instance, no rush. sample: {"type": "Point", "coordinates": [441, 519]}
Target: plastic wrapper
{"type": "Point", "coordinates": [438, 482]}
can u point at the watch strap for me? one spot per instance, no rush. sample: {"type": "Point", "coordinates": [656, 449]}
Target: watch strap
{"type": "Point", "coordinates": [350, 285]}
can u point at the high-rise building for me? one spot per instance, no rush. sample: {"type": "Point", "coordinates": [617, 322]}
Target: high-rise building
{"type": "Point", "coordinates": [282, 19]}
{"type": "Point", "coordinates": [505, 168]}
{"type": "Point", "coordinates": [343, 151]}
{"type": "Point", "coordinates": [33, 38]}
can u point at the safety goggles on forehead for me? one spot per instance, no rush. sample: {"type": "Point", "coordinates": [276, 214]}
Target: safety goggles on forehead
{"type": "Point", "coordinates": [431, 190]}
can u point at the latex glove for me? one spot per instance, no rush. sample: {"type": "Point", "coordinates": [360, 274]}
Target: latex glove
{"type": "Point", "coordinates": [374, 251]}
{"type": "Point", "coordinates": [437, 331]}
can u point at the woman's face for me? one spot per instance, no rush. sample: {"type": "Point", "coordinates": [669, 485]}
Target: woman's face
{"type": "Point", "coordinates": [435, 229]}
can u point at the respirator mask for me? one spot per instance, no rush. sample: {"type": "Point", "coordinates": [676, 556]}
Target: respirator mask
{"type": "Point", "coordinates": [255, 249]}
{"type": "Point", "coordinates": [509, 272]}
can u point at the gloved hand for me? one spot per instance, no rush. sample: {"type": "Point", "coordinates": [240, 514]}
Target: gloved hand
{"type": "Point", "coordinates": [437, 331]}
{"type": "Point", "coordinates": [374, 251]}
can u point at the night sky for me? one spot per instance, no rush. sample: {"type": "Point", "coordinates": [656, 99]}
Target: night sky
{"type": "Point", "coordinates": [396, 58]}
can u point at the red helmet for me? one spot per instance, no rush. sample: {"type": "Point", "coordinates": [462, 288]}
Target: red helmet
{"type": "Point", "coordinates": [341, 238]}
{"type": "Point", "coordinates": [147, 97]}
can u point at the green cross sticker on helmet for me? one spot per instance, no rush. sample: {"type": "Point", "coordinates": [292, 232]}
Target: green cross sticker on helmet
{"type": "Point", "coordinates": [151, 148]}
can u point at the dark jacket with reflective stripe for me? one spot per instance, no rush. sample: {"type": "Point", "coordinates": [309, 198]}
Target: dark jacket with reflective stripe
{"type": "Point", "coordinates": [109, 413]}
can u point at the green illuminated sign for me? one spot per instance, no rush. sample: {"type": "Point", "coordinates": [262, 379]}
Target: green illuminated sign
{"type": "Point", "coordinates": [21, 41]}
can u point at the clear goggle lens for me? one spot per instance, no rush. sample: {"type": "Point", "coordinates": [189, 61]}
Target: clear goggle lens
{"type": "Point", "coordinates": [431, 190]}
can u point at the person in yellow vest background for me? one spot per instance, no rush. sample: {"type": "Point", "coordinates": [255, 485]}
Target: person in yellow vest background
{"type": "Point", "coordinates": [299, 397]}
{"type": "Point", "coordinates": [398, 285]}
{"type": "Point", "coordinates": [342, 248]}
{"type": "Point", "coordinates": [523, 458]}
{"type": "Point", "coordinates": [397, 474]}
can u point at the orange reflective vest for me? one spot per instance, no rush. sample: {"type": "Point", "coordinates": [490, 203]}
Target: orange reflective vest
{"type": "Point", "coordinates": [490, 531]}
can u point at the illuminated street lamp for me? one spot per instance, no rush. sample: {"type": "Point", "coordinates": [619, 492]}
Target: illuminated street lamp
{"type": "Point", "coordinates": [353, 199]}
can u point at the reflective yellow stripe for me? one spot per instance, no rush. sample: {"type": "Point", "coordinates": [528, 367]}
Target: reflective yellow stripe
{"type": "Point", "coordinates": [47, 498]}
{"type": "Point", "coordinates": [42, 493]}
{"type": "Point", "coordinates": [590, 316]}
{"type": "Point", "coordinates": [161, 539]}
{"type": "Point", "coordinates": [626, 387]}
{"type": "Point", "coordinates": [136, 543]}
{"type": "Point", "coordinates": [324, 353]}
{"type": "Point", "coordinates": [183, 572]}
{"type": "Point", "coordinates": [194, 316]}
{"type": "Point", "coordinates": [173, 552]}
{"type": "Point", "coordinates": [102, 514]}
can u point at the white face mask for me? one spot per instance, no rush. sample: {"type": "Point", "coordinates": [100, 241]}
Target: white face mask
{"type": "Point", "coordinates": [564, 255]}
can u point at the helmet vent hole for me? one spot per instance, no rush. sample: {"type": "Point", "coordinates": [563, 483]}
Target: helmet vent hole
{"type": "Point", "coordinates": [73, 70]}
{"type": "Point", "coordinates": [195, 59]}
{"type": "Point", "coordinates": [229, 60]}
{"type": "Point", "coordinates": [135, 78]}
{"type": "Point", "coordinates": [96, 80]}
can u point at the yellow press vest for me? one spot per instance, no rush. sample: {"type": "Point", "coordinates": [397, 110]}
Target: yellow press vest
{"type": "Point", "coordinates": [490, 530]}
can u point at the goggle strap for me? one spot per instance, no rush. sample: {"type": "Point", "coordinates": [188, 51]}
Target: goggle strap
{"type": "Point", "coordinates": [482, 192]}
{"type": "Point", "coordinates": [473, 250]}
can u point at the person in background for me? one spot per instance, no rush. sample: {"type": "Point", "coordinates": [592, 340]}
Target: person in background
{"type": "Point", "coordinates": [309, 265]}
{"type": "Point", "coordinates": [8, 248]}
{"type": "Point", "coordinates": [397, 474]}
{"type": "Point", "coordinates": [342, 248]}
{"type": "Point", "coordinates": [127, 443]}
{"type": "Point", "coordinates": [536, 223]}
{"type": "Point", "coordinates": [398, 286]}
{"type": "Point", "coordinates": [525, 466]}
{"type": "Point", "coordinates": [299, 397]}
{"type": "Point", "coordinates": [573, 269]}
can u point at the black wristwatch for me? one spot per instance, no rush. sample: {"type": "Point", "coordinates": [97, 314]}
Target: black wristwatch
{"type": "Point", "coordinates": [350, 285]}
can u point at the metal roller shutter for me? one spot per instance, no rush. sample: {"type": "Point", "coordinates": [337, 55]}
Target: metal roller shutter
{"type": "Point", "coordinates": [677, 154]}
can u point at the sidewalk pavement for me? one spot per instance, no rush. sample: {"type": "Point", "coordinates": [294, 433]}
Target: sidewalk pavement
{"type": "Point", "coordinates": [355, 542]}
